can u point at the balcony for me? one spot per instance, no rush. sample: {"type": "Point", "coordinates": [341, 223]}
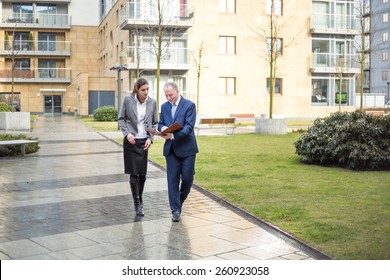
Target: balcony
{"type": "Point", "coordinates": [334, 63]}
{"type": "Point", "coordinates": [145, 58]}
{"type": "Point", "coordinates": [138, 14]}
{"type": "Point", "coordinates": [334, 24]}
{"type": "Point", "coordinates": [35, 20]}
{"type": "Point", "coordinates": [37, 75]}
{"type": "Point", "coordinates": [36, 48]}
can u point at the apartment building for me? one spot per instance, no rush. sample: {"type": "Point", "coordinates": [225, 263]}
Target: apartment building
{"type": "Point", "coordinates": [315, 40]}
{"type": "Point", "coordinates": [216, 50]}
{"type": "Point", "coordinates": [380, 61]}
{"type": "Point", "coordinates": [53, 48]}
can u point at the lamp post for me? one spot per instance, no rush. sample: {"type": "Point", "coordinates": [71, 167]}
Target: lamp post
{"type": "Point", "coordinates": [388, 94]}
{"type": "Point", "coordinates": [119, 69]}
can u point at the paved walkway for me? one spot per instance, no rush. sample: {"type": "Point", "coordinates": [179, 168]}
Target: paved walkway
{"type": "Point", "coordinates": [71, 200]}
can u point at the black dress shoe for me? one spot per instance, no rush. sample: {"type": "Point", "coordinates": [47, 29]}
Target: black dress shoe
{"type": "Point", "coordinates": [175, 217]}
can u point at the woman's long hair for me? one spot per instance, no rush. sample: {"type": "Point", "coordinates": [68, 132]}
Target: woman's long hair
{"type": "Point", "coordinates": [138, 84]}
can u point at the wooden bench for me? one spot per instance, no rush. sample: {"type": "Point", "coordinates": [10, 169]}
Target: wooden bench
{"type": "Point", "coordinates": [21, 142]}
{"type": "Point", "coordinates": [226, 123]}
{"type": "Point", "coordinates": [243, 116]}
{"type": "Point", "coordinates": [377, 111]}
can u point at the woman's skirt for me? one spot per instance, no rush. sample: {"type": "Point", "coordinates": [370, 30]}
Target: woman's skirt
{"type": "Point", "coordinates": [135, 157]}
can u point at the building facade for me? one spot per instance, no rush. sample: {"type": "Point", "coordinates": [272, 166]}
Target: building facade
{"type": "Point", "coordinates": [380, 61]}
{"type": "Point", "coordinates": [53, 48]}
{"type": "Point", "coordinates": [216, 50]}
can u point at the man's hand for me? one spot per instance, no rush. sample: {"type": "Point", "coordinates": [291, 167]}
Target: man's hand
{"type": "Point", "coordinates": [147, 144]}
{"type": "Point", "coordinates": [167, 136]}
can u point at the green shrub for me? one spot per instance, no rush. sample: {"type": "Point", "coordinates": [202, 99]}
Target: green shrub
{"type": "Point", "coordinates": [352, 140]}
{"type": "Point", "coordinates": [4, 107]}
{"type": "Point", "coordinates": [14, 150]}
{"type": "Point", "coordinates": [105, 114]}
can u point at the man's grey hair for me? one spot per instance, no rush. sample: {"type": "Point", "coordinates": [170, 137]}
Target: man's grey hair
{"type": "Point", "coordinates": [173, 85]}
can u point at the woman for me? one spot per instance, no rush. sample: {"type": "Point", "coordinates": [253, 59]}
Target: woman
{"type": "Point", "coordinates": [137, 113]}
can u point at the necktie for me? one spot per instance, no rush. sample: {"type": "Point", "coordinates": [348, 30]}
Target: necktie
{"type": "Point", "coordinates": [173, 110]}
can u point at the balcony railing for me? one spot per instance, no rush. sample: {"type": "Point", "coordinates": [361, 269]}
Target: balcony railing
{"type": "Point", "coordinates": [143, 13]}
{"type": "Point", "coordinates": [28, 47]}
{"type": "Point", "coordinates": [334, 23]}
{"type": "Point", "coordinates": [50, 75]}
{"type": "Point", "coordinates": [35, 20]}
{"type": "Point", "coordinates": [328, 62]}
{"type": "Point", "coordinates": [171, 58]}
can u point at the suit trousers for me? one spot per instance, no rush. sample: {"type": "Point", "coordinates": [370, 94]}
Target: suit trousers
{"type": "Point", "coordinates": [179, 169]}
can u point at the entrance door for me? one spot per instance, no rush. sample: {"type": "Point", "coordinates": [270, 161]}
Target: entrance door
{"type": "Point", "coordinates": [53, 104]}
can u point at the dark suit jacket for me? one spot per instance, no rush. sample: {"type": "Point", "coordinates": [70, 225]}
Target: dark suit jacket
{"type": "Point", "coordinates": [127, 116]}
{"type": "Point", "coordinates": [184, 143]}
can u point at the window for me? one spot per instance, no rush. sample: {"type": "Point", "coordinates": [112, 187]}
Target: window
{"type": "Point", "coordinates": [21, 41]}
{"type": "Point", "coordinates": [227, 85]}
{"type": "Point", "coordinates": [22, 13]}
{"type": "Point", "coordinates": [278, 45]}
{"type": "Point", "coordinates": [385, 17]}
{"type": "Point", "coordinates": [227, 45]}
{"type": "Point", "coordinates": [384, 75]}
{"type": "Point", "coordinates": [278, 85]}
{"type": "Point", "coordinates": [320, 91]}
{"type": "Point", "coordinates": [22, 63]}
{"type": "Point", "coordinates": [274, 7]}
{"type": "Point", "coordinates": [385, 55]}
{"type": "Point", "coordinates": [47, 68]}
{"type": "Point", "coordinates": [46, 41]}
{"type": "Point", "coordinates": [227, 6]}
{"type": "Point", "coordinates": [385, 37]}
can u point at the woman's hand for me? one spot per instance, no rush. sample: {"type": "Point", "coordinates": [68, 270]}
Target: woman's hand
{"type": "Point", "coordinates": [130, 137]}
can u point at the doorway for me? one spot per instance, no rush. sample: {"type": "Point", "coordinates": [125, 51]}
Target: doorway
{"type": "Point", "coordinates": [53, 105]}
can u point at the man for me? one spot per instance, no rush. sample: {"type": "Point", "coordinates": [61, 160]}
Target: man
{"type": "Point", "coordinates": [180, 147]}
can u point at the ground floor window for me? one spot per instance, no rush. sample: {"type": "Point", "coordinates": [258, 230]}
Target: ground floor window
{"type": "Point", "coordinates": [7, 98]}
{"type": "Point", "coordinates": [181, 82]}
{"type": "Point", "coordinates": [327, 91]}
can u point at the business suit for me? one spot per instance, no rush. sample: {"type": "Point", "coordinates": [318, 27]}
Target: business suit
{"type": "Point", "coordinates": [135, 115]}
{"type": "Point", "coordinates": [180, 152]}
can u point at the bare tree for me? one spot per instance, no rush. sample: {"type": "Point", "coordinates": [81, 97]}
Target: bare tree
{"type": "Point", "coordinates": [12, 54]}
{"type": "Point", "coordinates": [198, 63]}
{"type": "Point", "coordinates": [340, 68]}
{"type": "Point", "coordinates": [363, 41]}
{"type": "Point", "coordinates": [271, 35]}
{"type": "Point", "coordinates": [365, 45]}
{"type": "Point", "coordinates": [161, 15]}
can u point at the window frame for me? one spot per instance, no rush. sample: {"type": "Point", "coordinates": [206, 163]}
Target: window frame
{"type": "Point", "coordinates": [385, 75]}
{"type": "Point", "coordinates": [227, 6]}
{"type": "Point", "coordinates": [224, 80]}
{"type": "Point", "coordinates": [278, 10]}
{"type": "Point", "coordinates": [278, 45]}
{"type": "Point", "coordinates": [385, 56]}
{"type": "Point", "coordinates": [279, 86]}
{"type": "Point", "coordinates": [225, 45]}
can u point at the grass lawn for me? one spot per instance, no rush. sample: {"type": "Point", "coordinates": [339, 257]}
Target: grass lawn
{"type": "Point", "coordinates": [99, 126]}
{"type": "Point", "coordinates": [344, 213]}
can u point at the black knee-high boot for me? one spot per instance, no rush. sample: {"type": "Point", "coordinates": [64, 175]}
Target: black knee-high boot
{"type": "Point", "coordinates": [141, 185]}
{"type": "Point", "coordinates": [136, 198]}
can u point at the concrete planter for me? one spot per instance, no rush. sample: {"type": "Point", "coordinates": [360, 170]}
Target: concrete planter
{"type": "Point", "coordinates": [15, 121]}
{"type": "Point", "coordinates": [271, 126]}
